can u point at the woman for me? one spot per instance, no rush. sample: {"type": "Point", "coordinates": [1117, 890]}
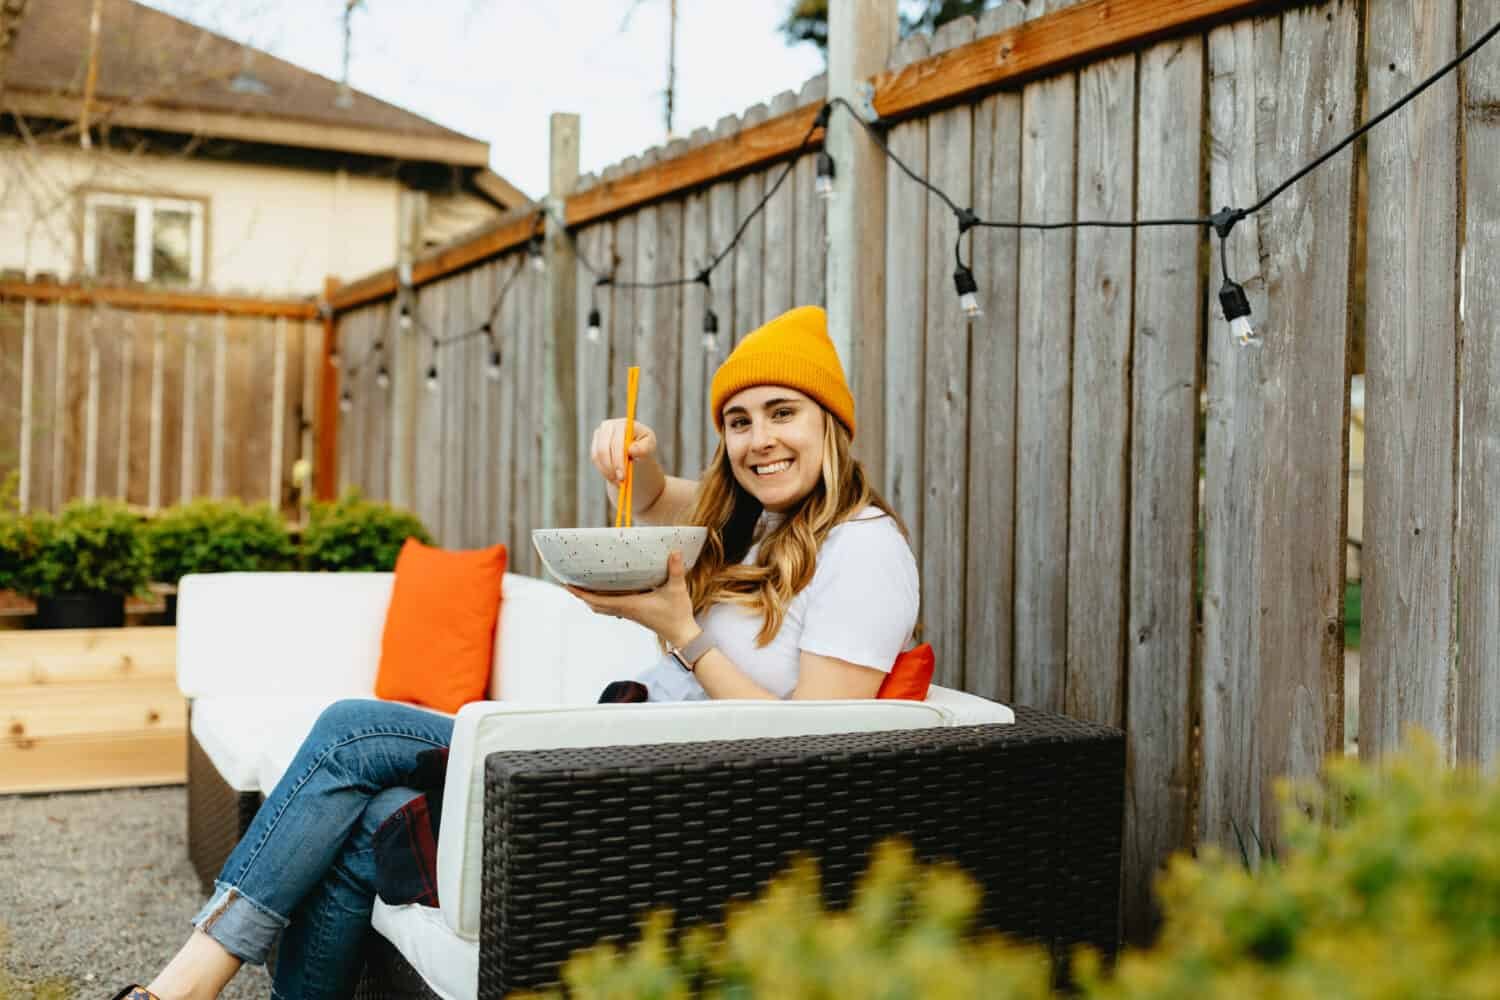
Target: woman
{"type": "Point", "coordinates": [805, 588]}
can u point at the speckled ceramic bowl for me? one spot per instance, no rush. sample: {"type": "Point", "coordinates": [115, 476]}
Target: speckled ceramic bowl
{"type": "Point", "coordinates": [615, 560]}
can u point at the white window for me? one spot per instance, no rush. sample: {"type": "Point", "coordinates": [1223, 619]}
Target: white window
{"type": "Point", "coordinates": [143, 238]}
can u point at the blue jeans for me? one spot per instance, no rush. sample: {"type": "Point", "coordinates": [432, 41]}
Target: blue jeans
{"type": "Point", "coordinates": [305, 870]}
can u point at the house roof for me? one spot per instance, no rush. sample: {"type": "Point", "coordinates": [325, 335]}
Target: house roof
{"type": "Point", "coordinates": [159, 72]}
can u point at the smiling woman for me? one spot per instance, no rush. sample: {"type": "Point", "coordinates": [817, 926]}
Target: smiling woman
{"type": "Point", "coordinates": [806, 586]}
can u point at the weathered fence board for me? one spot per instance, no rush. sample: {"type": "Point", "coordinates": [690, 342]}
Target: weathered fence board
{"type": "Point", "coordinates": [749, 254]}
{"type": "Point", "coordinates": [1044, 392]}
{"type": "Point", "coordinates": [1099, 504]}
{"type": "Point", "coordinates": [945, 411]}
{"type": "Point", "coordinates": [1163, 472]}
{"type": "Point", "coordinates": [1242, 65]}
{"type": "Point", "coordinates": [722, 218]}
{"type": "Point", "coordinates": [1411, 348]}
{"type": "Point", "coordinates": [695, 433]}
{"type": "Point", "coordinates": [1306, 432]}
{"type": "Point", "coordinates": [907, 207]}
{"type": "Point", "coordinates": [780, 236]}
{"type": "Point", "coordinates": [593, 371]}
{"type": "Point", "coordinates": [989, 560]}
{"type": "Point", "coordinates": [1478, 714]}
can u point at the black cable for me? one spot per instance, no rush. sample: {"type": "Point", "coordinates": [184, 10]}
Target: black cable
{"type": "Point", "coordinates": [1353, 136]}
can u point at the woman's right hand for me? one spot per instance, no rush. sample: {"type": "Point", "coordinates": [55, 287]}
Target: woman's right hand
{"type": "Point", "coordinates": [608, 453]}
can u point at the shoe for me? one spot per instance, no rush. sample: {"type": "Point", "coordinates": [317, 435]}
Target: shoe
{"type": "Point", "coordinates": [135, 993]}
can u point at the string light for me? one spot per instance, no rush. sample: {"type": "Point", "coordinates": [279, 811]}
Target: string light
{"type": "Point", "coordinates": [968, 292]}
{"type": "Point", "coordinates": [823, 182]}
{"type": "Point", "coordinates": [334, 357]}
{"type": "Point", "coordinates": [346, 402]}
{"type": "Point", "coordinates": [1233, 300]}
{"type": "Point", "coordinates": [710, 330]}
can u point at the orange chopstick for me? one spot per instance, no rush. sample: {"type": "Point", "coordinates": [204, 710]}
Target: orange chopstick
{"type": "Point", "coordinates": [632, 389]}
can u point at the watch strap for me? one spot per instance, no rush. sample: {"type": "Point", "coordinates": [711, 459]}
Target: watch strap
{"type": "Point", "coordinates": [694, 650]}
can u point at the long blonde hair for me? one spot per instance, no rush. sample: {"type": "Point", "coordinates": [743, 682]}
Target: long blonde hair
{"type": "Point", "coordinates": [788, 554]}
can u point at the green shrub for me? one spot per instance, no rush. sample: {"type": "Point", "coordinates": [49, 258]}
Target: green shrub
{"type": "Point", "coordinates": [89, 547]}
{"type": "Point", "coordinates": [217, 536]}
{"type": "Point", "coordinates": [1389, 886]}
{"type": "Point", "coordinates": [356, 534]}
{"type": "Point", "coordinates": [905, 935]}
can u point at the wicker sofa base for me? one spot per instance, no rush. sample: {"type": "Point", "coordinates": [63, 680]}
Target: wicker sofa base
{"type": "Point", "coordinates": [217, 814]}
{"type": "Point", "coordinates": [579, 844]}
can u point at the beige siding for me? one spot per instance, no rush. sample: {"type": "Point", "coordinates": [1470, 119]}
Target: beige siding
{"type": "Point", "coordinates": [271, 230]}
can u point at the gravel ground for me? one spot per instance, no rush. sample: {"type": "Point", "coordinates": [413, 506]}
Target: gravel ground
{"type": "Point", "coordinates": [96, 892]}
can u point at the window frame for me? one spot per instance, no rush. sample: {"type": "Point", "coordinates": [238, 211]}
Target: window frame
{"type": "Point", "coordinates": [145, 204]}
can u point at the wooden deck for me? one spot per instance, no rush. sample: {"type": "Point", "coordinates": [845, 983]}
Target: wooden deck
{"type": "Point", "coordinates": [90, 708]}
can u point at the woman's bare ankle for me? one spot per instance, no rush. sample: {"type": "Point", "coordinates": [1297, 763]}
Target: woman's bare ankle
{"type": "Point", "coordinates": [197, 972]}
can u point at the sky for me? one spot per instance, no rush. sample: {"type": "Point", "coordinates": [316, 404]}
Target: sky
{"type": "Point", "coordinates": [496, 69]}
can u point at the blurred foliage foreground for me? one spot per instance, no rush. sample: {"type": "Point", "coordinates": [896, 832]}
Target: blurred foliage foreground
{"type": "Point", "coordinates": [1387, 886]}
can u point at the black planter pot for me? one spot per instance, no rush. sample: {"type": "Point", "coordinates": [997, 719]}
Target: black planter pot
{"type": "Point", "coordinates": [80, 611]}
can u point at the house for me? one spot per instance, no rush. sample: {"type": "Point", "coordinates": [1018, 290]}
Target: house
{"type": "Point", "coordinates": [154, 151]}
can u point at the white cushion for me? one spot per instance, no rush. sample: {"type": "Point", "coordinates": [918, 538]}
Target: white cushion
{"type": "Point", "coordinates": [448, 964]}
{"type": "Point", "coordinates": [486, 727]}
{"type": "Point", "coordinates": [968, 709]}
{"type": "Point", "coordinates": [552, 650]}
{"type": "Point", "coordinates": [267, 634]}
{"type": "Point", "coordinates": [237, 732]}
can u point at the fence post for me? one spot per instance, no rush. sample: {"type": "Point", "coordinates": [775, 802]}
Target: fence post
{"type": "Point", "coordinates": [861, 34]}
{"type": "Point", "coordinates": [560, 426]}
{"type": "Point", "coordinates": [406, 371]}
{"type": "Point", "coordinates": [325, 468]}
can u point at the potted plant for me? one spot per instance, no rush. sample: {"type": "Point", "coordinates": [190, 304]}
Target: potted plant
{"type": "Point", "coordinates": [81, 564]}
{"type": "Point", "coordinates": [215, 536]}
{"type": "Point", "coordinates": [353, 534]}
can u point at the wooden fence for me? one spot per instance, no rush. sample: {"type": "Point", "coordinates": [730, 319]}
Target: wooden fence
{"type": "Point", "coordinates": [154, 398]}
{"type": "Point", "coordinates": [1050, 458]}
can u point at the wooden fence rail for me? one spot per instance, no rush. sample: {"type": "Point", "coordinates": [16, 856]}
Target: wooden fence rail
{"type": "Point", "coordinates": [153, 398]}
{"type": "Point", "coordinates": [1118, 512]}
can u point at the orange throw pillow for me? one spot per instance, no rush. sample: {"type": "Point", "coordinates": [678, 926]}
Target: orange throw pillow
{"type": "Point", "coordinates": [439, 633]}
{"type": "Point", "coordinates": [910, 676]}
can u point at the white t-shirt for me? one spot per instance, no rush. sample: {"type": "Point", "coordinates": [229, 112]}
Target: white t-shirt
{"type": "Point", "coordinates": [860, 606]}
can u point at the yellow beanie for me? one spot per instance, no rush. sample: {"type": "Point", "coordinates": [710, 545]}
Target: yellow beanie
{"type": "Point", "coordinates": [793, 350]}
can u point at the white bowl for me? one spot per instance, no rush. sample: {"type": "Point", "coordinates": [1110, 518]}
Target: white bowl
{"type": "Point", "coordinates": [615, 560]}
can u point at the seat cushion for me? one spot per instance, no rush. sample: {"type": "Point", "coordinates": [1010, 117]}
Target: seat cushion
{"type": "Point", "coordinates": [447, 963]}
{"type": "Point", "coordinates": [238, 733]}
{"type": "Point", "coordinates": [487, 727]}
{"type": "Point", "coordinates": [965, 709]}
{"type": "Point", "coordinates": [437, 647]}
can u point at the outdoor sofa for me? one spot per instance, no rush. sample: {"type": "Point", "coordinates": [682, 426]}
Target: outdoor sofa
{"type": "Point", "coordinates": [565, 821]}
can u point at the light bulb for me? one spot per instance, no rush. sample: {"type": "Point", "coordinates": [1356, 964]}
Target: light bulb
{"type": "Point", "coordinates": [333, 358]}
{"type": "Point", "coordinates": [595, 331]}
{"type": "Point", "coordinates": [492, 370]}
{"type": "Point", "coordinates": [1244, 334]}
{"type": "Point", "coordinates": [432, 379]}
{"type": "Point", "coordinates": [537, 258]}
{"type": "Point", "coordinates": [346, 402]}
{"type": "Point", "coordinates": [710, 331]}
{"type": "Point", "coordinates": [823, 182]}
{"type": "Point", "coordinates": [968, 292]}
{"type": "Point", "coordinates": [405, 319]}
{"type": "Point", "coordinates": [383, 378]}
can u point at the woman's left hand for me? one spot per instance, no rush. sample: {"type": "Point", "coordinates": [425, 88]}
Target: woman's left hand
{"type": "Point", "coordinates": [667, 610]}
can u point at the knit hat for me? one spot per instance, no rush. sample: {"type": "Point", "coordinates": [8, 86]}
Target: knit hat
{"type": "Point", "coordinates": [793, 350]}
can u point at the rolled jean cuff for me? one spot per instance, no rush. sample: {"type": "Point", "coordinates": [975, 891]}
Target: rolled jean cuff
{"type": "Point", "coordinates": [242, 926]}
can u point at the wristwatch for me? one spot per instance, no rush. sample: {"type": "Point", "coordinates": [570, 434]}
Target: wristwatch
{"type": "Point", "coordinates": [691, 652]}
